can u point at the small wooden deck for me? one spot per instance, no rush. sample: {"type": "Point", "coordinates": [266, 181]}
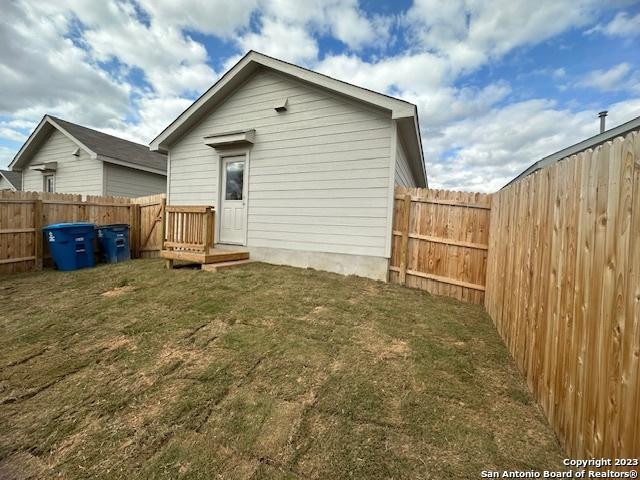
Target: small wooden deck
{"type": "Point", "coordinates": [212, 255]}
{"type": "Point", "coordinates": [188, 237]}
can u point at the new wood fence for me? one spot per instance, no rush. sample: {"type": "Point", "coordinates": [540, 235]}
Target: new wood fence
{"type": "Point", "coordinates": [440, 242]}
{"type": "Point", "coordinates": [563, 289]}
{"type": "Point", "coordinates": [151, 213]}
{"type": "Point", "coordinates": [23, 214]}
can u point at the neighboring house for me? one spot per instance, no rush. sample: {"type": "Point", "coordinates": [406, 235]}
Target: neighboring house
{"type": "Point", "coordinates": [63, 157]}
{"type": "Point", "coordinates": [10, 180]}
{"type": "Point", "coordinates": [592, 142]}
{"type": "Point", "coordinates": [300, 167]}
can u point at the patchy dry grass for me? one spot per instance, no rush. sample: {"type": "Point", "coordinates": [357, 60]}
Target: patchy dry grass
{"type": "Point", "coordinates": [258, 372]}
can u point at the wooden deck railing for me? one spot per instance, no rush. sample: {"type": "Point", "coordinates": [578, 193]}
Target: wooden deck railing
{"type": "Point", "coordinates": [189, 228]}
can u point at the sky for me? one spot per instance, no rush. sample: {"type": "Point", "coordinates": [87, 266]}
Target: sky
{"type": "Point", "coordinates": [499, 84]}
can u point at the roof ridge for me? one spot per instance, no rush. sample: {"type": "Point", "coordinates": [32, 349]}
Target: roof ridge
{"type": "Point", "coordinates": [58, 119]}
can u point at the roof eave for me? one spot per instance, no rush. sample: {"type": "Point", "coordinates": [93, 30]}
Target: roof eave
{"type": "Point", "coordinates": [16, 163]}
{"type": "Point", "coordinates": [136, 166]}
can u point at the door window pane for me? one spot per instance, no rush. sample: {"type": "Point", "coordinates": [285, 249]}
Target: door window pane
{"type": "Point", "coordinates": [235, 179]}
{"type": "Point", "coordinates": [49, 183]}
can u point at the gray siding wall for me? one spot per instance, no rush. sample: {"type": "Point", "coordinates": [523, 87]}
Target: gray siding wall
{"type": "Point", "coordinates": [128, 182]}
{"type": "Point", "coordinates": [318, 173]}
{"type": "Point", "coordinates": [80, 175]}
{"type": "Point", "coordinates": [404, 177]}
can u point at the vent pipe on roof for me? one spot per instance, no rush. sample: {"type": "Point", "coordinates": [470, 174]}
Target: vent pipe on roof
{"type": "Point", "coordinates": [603, 116]}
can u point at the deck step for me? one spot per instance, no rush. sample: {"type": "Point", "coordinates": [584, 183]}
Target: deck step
{"type": "Point", "coordinates": [214, 267]}
{"type": "Point", "coordinates": [214, 255]}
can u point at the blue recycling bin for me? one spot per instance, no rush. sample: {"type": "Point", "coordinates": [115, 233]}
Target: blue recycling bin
{"type": "Point", "coordinates": [114, 242]}
{"type": "Point", "coordinates": [71, 245]}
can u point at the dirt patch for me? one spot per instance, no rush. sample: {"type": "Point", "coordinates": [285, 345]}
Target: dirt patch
{"type": "Point", "coordinates": [383, 347]}
{"type": "Point", "coordinates": [314, 313]}
{"type": "Point", "coordinates": [119, 342]}
{"type": "Point", "coordinates": [276, 434]}
{"type": "Point", "coordinates": [118, 291]}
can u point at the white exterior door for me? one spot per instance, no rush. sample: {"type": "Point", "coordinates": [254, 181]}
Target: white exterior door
{"type": "Point", "coordinates": [233, 203]}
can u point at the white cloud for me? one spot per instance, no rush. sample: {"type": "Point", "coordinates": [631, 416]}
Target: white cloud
{"type": "Point", "coordinates": [622, 25]}
{"type": "Point", "coordinates": [411, 72]}
{"type": "Point", "coordinates": [485, 152]}
{"type": "Point", "coordinates": [470, 33]}
{"type": "Point", "coordinates": [288, 42]}
{"type": "Point", "coordinates": [6, 155]}
{"type": "Point", "coordinates": [41, 70]}
{"type": "Point", "coordinates": [44, 71]}
{"type": "Point", "coordinates": [618, 77]}
{"type": "Point", "coordinates": [343, 19]}
{"type": "Point", "coordinates": [155, 113]}
{"type": "Point", "coordinates": [172, 62]}
{"type": "Point", "coordinates": [217, 17]}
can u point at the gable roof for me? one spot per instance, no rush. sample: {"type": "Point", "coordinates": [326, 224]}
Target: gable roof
{"type": "Point", "coordinates": [14, 178]}
{"type": "Point", "coordinates": [98, 145]}
{"type": "Point", "coordinates": [590, 142]}
{"type": "Point", "coordinates": [406, 113]}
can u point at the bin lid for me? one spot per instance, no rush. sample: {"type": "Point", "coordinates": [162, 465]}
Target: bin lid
{"type": "Point", "coordinates": [114, 225]}
{"type": "Point", "coordinates": [62, 226]}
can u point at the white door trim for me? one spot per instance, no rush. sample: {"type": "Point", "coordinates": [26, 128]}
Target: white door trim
{"type": "Point", "coordinates": [245, 191]}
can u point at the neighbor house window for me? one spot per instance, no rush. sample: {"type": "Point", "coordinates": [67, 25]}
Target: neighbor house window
{"type": "Point", "coordinates": [49, 183]}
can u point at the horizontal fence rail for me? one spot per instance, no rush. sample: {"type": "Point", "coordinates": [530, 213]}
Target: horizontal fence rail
{"type": "Point", "coordinates": [563, 288]}
{"type": "Point", "coordinates": [440, 242]}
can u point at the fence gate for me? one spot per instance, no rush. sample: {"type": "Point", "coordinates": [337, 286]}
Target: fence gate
{"type": "Point", "coordinates": [440, 242]}
{"type": "Point", "coordinates": [151, 213]}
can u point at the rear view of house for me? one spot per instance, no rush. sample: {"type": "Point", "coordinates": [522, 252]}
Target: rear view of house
{"type": "Point", "coordinates": [300, 167]}
{"type": "Point", "coordinates": [63, 157]}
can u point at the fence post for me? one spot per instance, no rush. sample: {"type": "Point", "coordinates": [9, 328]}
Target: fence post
{"type": "Point", "coordinates": [136, 225]}
{"type": "Point", "coordinates": [163, 222]}
{"type": "Point", "coordinates": [206, 230]}
{"type": "Point", "coordinates": [37, 225]}
{"type": "Point", "coordinates": [404, 247]}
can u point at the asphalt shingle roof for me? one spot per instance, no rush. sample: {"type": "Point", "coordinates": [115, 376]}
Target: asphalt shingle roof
{"type": "Point", "coordinates": [15, 178]}
{"type": "Point", "coordinates": [113, 147]}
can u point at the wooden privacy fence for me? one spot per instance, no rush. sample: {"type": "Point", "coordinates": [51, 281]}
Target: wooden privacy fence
{"type": "Point", "coordinates": [563, 289]}
{"type": "Point", "coordinates": [23, 214]}
{"type": "Point", "coordinates": [440, 242]}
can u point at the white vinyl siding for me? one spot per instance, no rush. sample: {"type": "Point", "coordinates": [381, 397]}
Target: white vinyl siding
{"type": "Point", "coordinates": [318, 173]}
{"type": "Point", "coordinates": [75, 174]}
{"type": "Point", "coordinates": [404, 177]}
{"type": "Point", "coordinates": [128, 182]}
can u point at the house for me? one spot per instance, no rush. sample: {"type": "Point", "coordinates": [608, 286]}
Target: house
{"type": "Point", "coordinates": [63, 157]}
{"type": "Point", "coordinates": [592, 142]}
{"type": "Point", "coordinates": [10, 180]}
{"type": "Point", "coordinates": [299, 166]}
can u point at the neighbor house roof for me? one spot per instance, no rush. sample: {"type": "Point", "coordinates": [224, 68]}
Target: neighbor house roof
{"type": "Point", "coordinates": [590, 142]}
{"type": "Point", "coordinates": [14, 178]}
{"type": "Point", "coordinates": [100, 146]}
{"type": "Point", "coordinates": [404, 112]}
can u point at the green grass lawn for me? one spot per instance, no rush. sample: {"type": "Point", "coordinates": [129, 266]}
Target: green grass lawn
{"type": "Point", "coordinates": [133, 371]}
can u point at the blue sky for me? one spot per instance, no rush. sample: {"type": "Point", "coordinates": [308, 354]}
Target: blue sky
{"type": "Point", "coordinates": [498, 83]}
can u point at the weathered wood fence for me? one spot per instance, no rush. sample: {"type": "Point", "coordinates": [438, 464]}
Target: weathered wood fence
{"type": "Point", "coordinates": [563, 288]}
{"type": "Point", "coordinates": [23, 214]}
{"type": "Point", "coordinates": [440, 242]}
